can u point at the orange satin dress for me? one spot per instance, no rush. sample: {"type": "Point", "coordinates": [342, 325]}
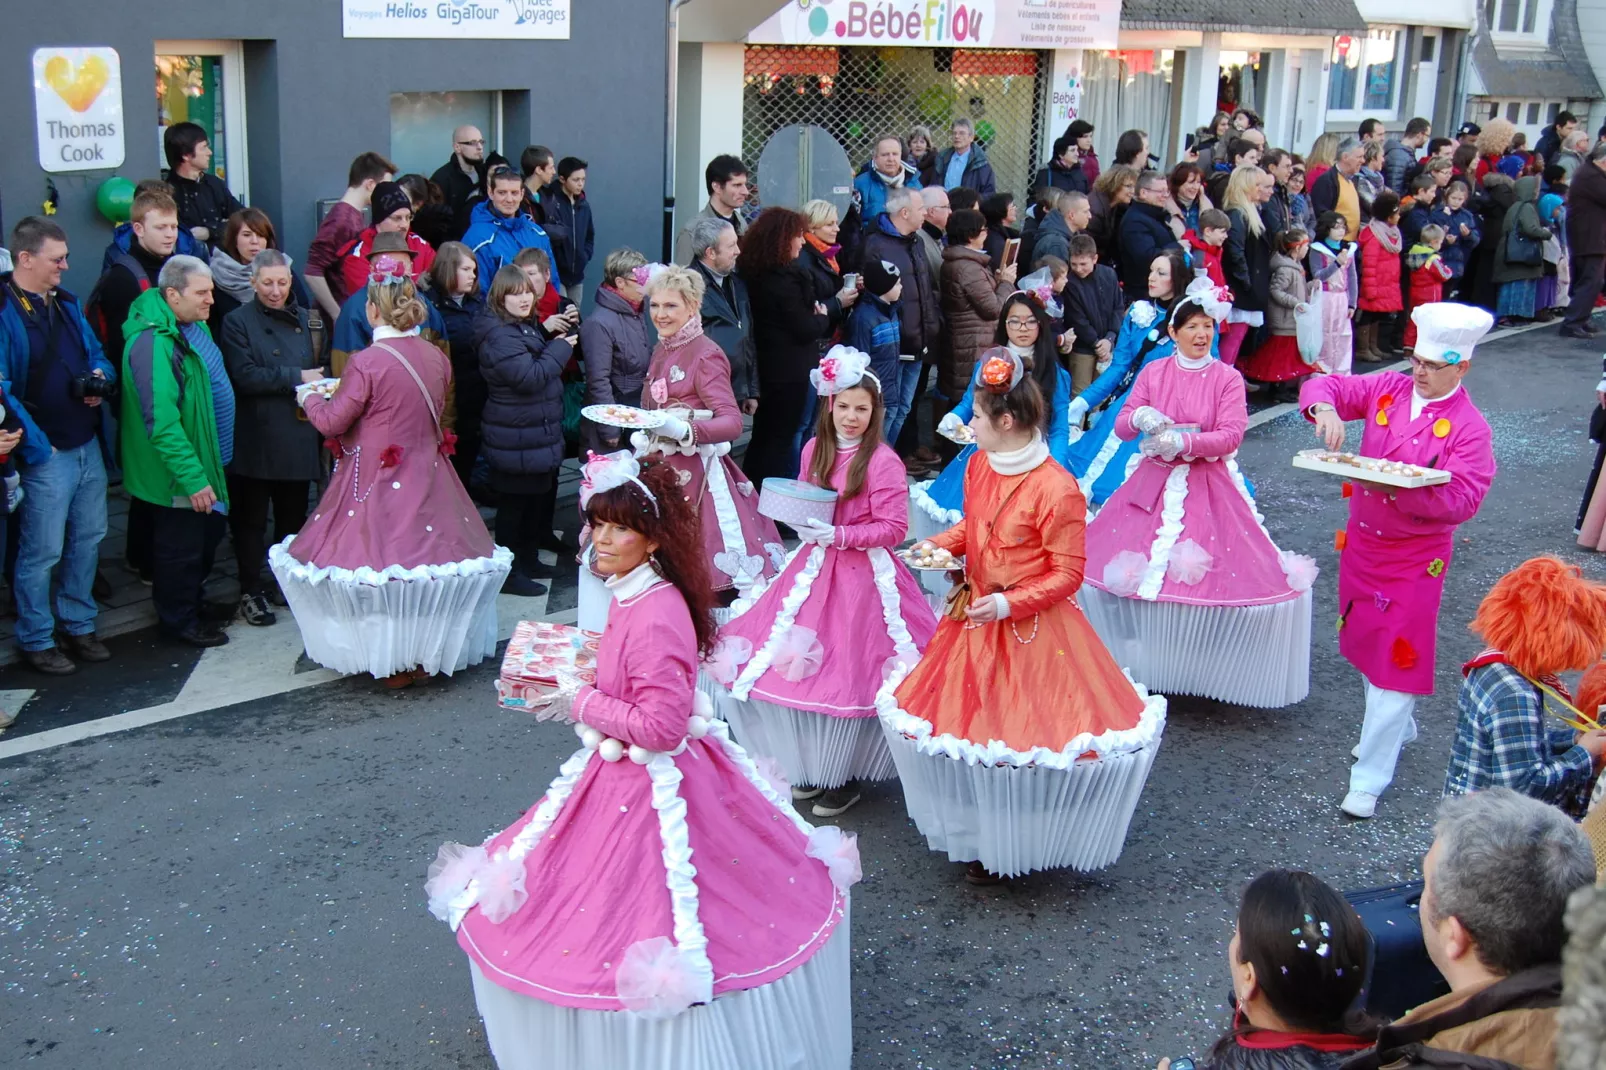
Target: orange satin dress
{"type": "Point", "coordinates": [1043, 676]}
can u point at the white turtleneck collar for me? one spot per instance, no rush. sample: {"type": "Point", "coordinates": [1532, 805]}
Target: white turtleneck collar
{"type": "Point", "coordinates": [843, 442]}
{"type": "Point", "coordinates": [385, 331]}
{"type": "Point", "coordinates": [1193, 364]}
{"type": "Point", "coordinates": [1418, 402]}
{"type": "Point", "coordinates": [1025, 354]}
{"type": "Point", "coordinates": [638, 581]}
{"type": "Point", "coordinates": [1016, 462]}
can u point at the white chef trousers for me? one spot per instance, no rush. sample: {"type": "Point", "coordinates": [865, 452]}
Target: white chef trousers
{"type": "Point", "coordinates": [1389, 725]}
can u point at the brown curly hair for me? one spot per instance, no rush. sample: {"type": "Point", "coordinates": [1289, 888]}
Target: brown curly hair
{"type": "Point", "coordinates": [767, 244]}
{"type": "Point", "coordinates": [674, 526]}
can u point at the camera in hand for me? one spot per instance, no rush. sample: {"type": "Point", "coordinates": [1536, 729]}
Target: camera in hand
{"type": "Point", "coordinates": [80, 387]}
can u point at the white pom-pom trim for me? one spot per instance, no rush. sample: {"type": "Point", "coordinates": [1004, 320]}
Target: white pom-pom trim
{"type": "Point", "coordinates": [697, 727]}
{"type": "Point", "coordinates": [611, 750]}
{"type": "Point", "coordinates": [590, 737]}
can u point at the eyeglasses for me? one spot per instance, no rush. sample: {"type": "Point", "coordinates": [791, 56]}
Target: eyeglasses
{"type": "Point", "coordinates": [1018, 324]}
{"type": "Point", "coordinates": [1428, 365]}
{"type": "Point", "coordinates": [476, 141]}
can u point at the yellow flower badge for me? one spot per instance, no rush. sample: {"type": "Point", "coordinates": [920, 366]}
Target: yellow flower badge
{"type": "Point", "coordinates": [1436, 567]}
{"type": "Point", "coordinates": [1441, 428]}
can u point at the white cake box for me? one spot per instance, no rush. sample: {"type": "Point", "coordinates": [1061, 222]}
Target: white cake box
{"type": "Point", "coordinates": [791, 501]}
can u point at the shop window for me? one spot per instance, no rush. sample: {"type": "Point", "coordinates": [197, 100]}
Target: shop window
{"type": "Point", "coordinates": [1551, 111]}
{"type": "Point", "coordinates": [422, 124]}
{"type": "Point", "coordinates": [203, 82]}
{"type": "Point", "coordinates": [1364, 77]}
{"type": "Point", "coordinates": [1533, 113]}
{"type": "Point", "coordinates": [1494, 111]}
{"type": "Point", "coordinates": [1430, 44]}
{"type": "Point", "coordinates": [1514, 112]}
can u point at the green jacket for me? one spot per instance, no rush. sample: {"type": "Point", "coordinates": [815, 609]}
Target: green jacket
{"type": "Point", "coordinates": [168, 425]}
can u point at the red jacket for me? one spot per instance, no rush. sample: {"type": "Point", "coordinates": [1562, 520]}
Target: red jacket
{"type": "Point", "coordinates": [1380, 273]}
{"type": "Point", "coordinates": [354, 265]}
{"type": "Point", "coordinates": [1427, 281]}
{"type": "Point", "coordinates": [1211, 254]}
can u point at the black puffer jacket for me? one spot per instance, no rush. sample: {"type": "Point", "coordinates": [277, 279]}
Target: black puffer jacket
{"type": "Point", "coordinates": [522, 425]}
{"type": "Point", "coordinates": [786, 329]}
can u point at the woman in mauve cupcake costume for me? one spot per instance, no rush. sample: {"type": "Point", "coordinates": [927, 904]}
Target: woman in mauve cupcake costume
{"type": "Point", "coordinates": [690, 376]}
{"type": "Point", "coordinates": [802, 660]}
{"type": "Point", "coordinates": [1020, 743]}
{"type": "Point", "coordinates": [662, 905]}
{"type": "Point", "coordinates": [1184, 585]}
{"type": "Point", "coordinates": [394, 574]}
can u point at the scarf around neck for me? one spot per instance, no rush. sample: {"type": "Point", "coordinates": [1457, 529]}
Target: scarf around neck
{"type": "Point", "coordinates": [1387, 236]}
{"type": "Point", "coordinates": [232, 277]}
{"type": "Point", "coordinates": [634, 305]}
{"type": "Point", "coordinates": [827, 251]}
{"type": "Point", "coordinates": [693, 329]}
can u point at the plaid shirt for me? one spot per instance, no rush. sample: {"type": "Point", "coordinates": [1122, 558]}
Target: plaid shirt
{"type": "Point", "coordinates": [1502, 739]}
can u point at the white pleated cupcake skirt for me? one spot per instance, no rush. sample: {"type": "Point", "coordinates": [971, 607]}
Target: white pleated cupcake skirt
{"type": "Point", "coordinates": [813, 749]}
{"type": "Point", "coordinates": [1015, 819]}
{"type": "Point", "coordinates": [438, 617]}
{"type": "Point", "coordinates": [1246, 655]}
{"type": "Point", "coordinates": [804, 1021]}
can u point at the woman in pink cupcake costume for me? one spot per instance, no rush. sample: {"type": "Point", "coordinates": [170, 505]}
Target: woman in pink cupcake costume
{"type": "Point", "coordinates": [803, 659]}
{"type": "Point", "coordinates": [690, 376]}
{"type": "Point", "coordinates": [1184, 584]}
{"type": "Point", "coordinates": [662, 904]}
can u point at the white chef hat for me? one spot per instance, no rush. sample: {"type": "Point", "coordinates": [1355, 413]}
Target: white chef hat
{"type": "Point", "coordinates": [1447, 332]}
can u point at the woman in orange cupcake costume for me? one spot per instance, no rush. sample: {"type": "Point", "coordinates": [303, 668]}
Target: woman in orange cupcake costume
{"type": "Point", "coordinates": [1020, 743]}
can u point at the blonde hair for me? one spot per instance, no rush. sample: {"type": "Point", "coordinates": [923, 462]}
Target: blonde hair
{"type": "Point", "coordinates": [1240, 196]}
{"type": "Point", "coordinates": [681, 280]}
{"type": "Point", "coordinates": [819, 213]}
{"type": "Point", "coordinates": [1495, 138]}
{"type": "Point", "coordinates": [1324, 151]}
{"type": "Point", "coordinates": [621, 263]}
{"type": "Point", "coordinates": [398, 304]}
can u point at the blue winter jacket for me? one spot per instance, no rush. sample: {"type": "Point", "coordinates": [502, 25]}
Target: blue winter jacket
{"type": "Point", "coordinates": [497, 239]}
{"type": "Point", "coordinates": [873, 327]}
{"type": "Point", "coordinates": [1457, 253]}
{"type": "Point", "coordinates": [16, 360]}
{"type": "Point", "coordinates": [870, 192]}
{"type": "Point", "coordinates": [123, 241]}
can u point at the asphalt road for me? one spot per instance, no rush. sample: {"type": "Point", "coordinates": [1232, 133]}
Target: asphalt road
{"type": "Point", "coordinates": [243, 887]}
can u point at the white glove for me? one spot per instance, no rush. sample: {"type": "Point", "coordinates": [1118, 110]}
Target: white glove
{"type": "Point", "coordinates": [1150, 420]}
{"type": "Point", "coordinates": [949, 425]}
{"type": "Point", "coordinates": [303, 392]}
{"type": "Point", "coordinates": [561, 705]}
{"type": "Point", "coordinates": [1078, 412]}
{"type": "Point", "coordinates": [1165, 445]}
{"type": "Point", "coordinates": [817, 531]}
{"type": "Point", "coordinates": [675, 429]}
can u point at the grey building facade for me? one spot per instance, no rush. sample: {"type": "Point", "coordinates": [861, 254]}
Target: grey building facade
{"type": "Point", "coordinates": [310, 99]}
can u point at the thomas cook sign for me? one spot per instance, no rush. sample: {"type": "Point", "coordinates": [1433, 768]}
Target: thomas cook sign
{"type": "Point", "coordinates": [443, 19]}
{"type": "Point", "coordinates": [78, 106]}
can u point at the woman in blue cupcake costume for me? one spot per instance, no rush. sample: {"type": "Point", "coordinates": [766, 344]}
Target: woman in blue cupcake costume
{"type": "Point", "coordinates": [1025, 328]}
{"type": "Point", "coordinates": [1099, 459]}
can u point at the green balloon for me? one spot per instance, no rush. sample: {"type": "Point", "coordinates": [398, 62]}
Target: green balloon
{"type": "Point", "coordinates": [985, 132]}
{"type": "Point", "coordinates": [114, 198]}
{"type": "Point", "coordinates": [855, 129]}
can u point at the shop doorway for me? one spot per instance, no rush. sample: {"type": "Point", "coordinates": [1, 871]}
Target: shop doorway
{"type": "Point", "coordinates": [421, 126]}
{"type": "Point", "coordinates": [1242, 83]}
{"type": "Point", "coordinates": [857, 95]}
{"type": "Point", "coordinates": [203, 82]}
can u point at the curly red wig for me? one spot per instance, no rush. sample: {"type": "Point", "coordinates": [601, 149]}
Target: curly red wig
{"type": "Point", "coordinates": [767, 242]}
{"type": "Point", "coordinates": [1592, 690]}
{"type": "Point", "coordinates": [674, 526]}
{"type": "Point", "coordinates": [1545, 616]}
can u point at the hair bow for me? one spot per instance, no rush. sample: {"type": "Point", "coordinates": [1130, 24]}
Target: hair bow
{"type": "Point", "coordinates": [388, 271]}
{"type": "Point", "coordinates": [842, 369]}
{"type": "Point", "coordinates": [609, 471]}
{"type": "Point", "coordinates": [643, 273]}
{"type": "Point", "coordinates": [1001, 370]}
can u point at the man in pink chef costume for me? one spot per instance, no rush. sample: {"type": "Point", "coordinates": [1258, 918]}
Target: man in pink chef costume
{"type": "Point", "coordinates": [1396, 549]}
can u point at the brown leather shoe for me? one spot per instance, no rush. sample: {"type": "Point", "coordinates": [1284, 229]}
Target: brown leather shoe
{"type": "Point", "coordinates": [86, 647]}
{"type": "Point", "coordinates": [50, 661]}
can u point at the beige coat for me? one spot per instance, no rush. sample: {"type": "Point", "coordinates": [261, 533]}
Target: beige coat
{"type": "Point", "coordinates": [972, 298]}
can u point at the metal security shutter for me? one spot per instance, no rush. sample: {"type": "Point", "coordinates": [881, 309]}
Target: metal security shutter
{"type": "Point", "coordinates": [860, 94]}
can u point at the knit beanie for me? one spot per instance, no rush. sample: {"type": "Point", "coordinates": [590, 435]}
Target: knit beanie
{"type": "Point", "coordinates": [389, 198]}
{"type": "Point", "coordinates": [880, 277]}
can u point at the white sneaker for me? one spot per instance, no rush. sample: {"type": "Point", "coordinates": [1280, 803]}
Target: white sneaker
{"type": "Point", "coordinates": [803, 794]}
{"type": "Point", "coordinates": [1359, 804]}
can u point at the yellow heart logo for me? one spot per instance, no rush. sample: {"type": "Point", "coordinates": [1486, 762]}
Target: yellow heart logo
{"type": "Point", "coordinates": [78, 88]}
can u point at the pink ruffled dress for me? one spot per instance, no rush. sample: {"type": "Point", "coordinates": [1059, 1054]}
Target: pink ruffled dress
{"type": "Point", "coordinates": [801, 660]}
{"type": "Point", "coordinates": [690, 371]}
{"type": "Point", "coordinates": [666, 909]}
{"type": "Point", "coordinates": [1184, 584]}
{"type": "Point", "coordinates": [395, 568]}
